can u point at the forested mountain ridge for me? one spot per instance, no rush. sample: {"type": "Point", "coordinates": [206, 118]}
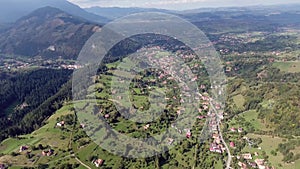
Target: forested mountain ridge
{"type": "Point", "coordinates": [24, 95]}
{"type": "Point", "coordinates": [47, 32]}
{"type": "Point", "coordinates": [12, 10]}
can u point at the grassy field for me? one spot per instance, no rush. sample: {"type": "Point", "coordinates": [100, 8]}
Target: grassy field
{"type": "Point", "coordinates": [239, 101]}
{"type": "Point", "coordinates": [291, 67]}
{"type": "Point", "coordinates": [252, 117]}
{"type": "Point", "coordinates": [48, 135]}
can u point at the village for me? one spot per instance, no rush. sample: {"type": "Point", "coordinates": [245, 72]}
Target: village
{"type": "Point", "coordinates": [13, 64]}
{"type": "Point", "coordinates": [209, 113]}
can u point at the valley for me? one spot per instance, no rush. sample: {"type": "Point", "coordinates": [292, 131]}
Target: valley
{"type": "Point", "coordinates": [44, 125]}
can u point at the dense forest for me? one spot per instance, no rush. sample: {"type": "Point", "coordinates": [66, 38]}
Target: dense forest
{"type": "Point", "coordinates": [33, 91]}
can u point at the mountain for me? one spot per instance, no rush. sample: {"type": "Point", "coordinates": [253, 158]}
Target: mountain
{"type": "Point", "coordinates": [116, 12]}
{"type": "Point", "coordinates": [12, 10]}
{"type": "Point", "coordinates": [47, 32]}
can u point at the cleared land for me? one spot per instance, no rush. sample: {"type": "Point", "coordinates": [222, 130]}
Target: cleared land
{"type": "Point", "coordinates": [291, 67]}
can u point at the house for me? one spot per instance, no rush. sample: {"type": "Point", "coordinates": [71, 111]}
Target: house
{"type": "Point", "coordinates": [232, 144]}
{"type": "Point", "coordinates": [82, 125]}
{"type": "Point", "coordinates": [218, 140]}
{"type": "Point", "coordinates": [242, 165]}
{"type": "Point", "coordinates": [202, 86]}
{"type": "Point", "coordinates": [253, 165]}
{"type": "Point", "coordinates": [60, 124]}
{"type": "Point", "coordinates": [23, 148]}
{"type": "Point", "coordinates": [240, 130]}
{"type": "Point", "coordinates": [233, 129]}
{"type": "Point", "coordinates": [214, 128]}
{"type": "Point", "coordinates": [48, 153]}
{"type": "Point", "coordinates": [106, 116]}
{"type": "Point", "coordinates": [188, 134]}
{"type": "Point", "coordinates": [221, 116]}
{"type": "Point", "coordinates": [3, 166]}
{"type": "Point", "coordinates": [247, 156]}
{"type": "Point", "coordinates": [98, 162]}
{"type": "Point", "coordinates": [215, 136]}
{"type": "Point", "coordinates": [146, 126]}
{"type": "Point", "coordinates": [170, 141]}
{"type": "Point", "coordinates": [215, 148]}
{"type": "Point", "coordinates": [201, 117]}
{"type": "Point", "coordinates": [259, 162]}
{"type": "Point", "coordinates": [205, 107]}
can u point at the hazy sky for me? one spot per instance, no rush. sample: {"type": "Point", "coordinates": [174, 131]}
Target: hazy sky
{"type": "Point", "coordinates": [177, 4]}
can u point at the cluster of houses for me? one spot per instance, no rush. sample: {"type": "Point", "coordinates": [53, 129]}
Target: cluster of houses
{"type": "Point", "coordinates": [11, 64]}
{"type": "Point", "coordinates": [258, 163]}
{"type": "Point", "coordinates": [217, 145]}
{"type": "Point", "coordinates": [250, 160]}
{"type": "Point", "coordinates": [71, 67]}
{"type": "Point", "coordinates": [239, 130]}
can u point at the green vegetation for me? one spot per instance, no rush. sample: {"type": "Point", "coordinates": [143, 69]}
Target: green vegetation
{"type": "Point", "coordinates": [290, 67]}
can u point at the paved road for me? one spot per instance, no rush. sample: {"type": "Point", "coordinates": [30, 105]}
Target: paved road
{"type": "Point", "coordinates": [227, 149]}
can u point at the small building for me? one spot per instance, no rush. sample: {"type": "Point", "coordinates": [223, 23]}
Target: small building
{"type": "Point", "coordinates": [253, 165]}
{"type": "Point", "coordinates": [247, 156]}
{"type": "Point", "coordinates": [60, 124]}
{"type": "Point", "coordinates": [23, 148]}
{"type": "Point", "coordinates": [215, 136]}
{"type": "Point", "coordinates": [259, 161]}
{"type": "Point", "coordinates": [232, 144]}
{"type": "Point", "coordinates": [188, 134]}
{"type": "Point", "coordinates": [242, 165]}
{"type": "Point", "coordinates": [82, 125]}
{"type": "Point", "coordinates": [215, 148]}
{"type": "Point", "coordinates": [170, 141]}
{"type": "Point", "coordinates": [48, 153]}
{"type": "Point", "coordinates": [146, 127]}
{"type": "Point", "coordinates": [240, 130]}
{"type": "Point", "coordinates": [201, 117]}
{"type": "Point", "coordinates": [98, 162]}
{"type": "Point", "coordinates": [233, 129]}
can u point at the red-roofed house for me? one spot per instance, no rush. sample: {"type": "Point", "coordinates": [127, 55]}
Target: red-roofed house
{"type": "Point", "coordinates": [98, 162]}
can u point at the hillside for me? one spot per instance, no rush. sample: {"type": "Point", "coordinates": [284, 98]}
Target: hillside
{"type": "Point", "coordinates": [47, 32]}
{"type": "Point", "coordinates": [11, 11]}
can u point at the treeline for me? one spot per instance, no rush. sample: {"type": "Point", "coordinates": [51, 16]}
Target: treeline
{"type": "Point", "coordinates": [134, 43]}
{"type": "Point", "coordinates": [32, 87]}
{"type": "Point", "coordinates": [28, 98]}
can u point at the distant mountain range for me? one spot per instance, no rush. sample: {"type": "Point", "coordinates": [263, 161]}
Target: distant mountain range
{"type": "Point", "coordinates": [51, 32]}
{"type": "Point", "coordinates": [115, 12]}
{"type": "Point", "coordinates": [48, 32]}
{"type": "Point", "coordinates": [12, 10]}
